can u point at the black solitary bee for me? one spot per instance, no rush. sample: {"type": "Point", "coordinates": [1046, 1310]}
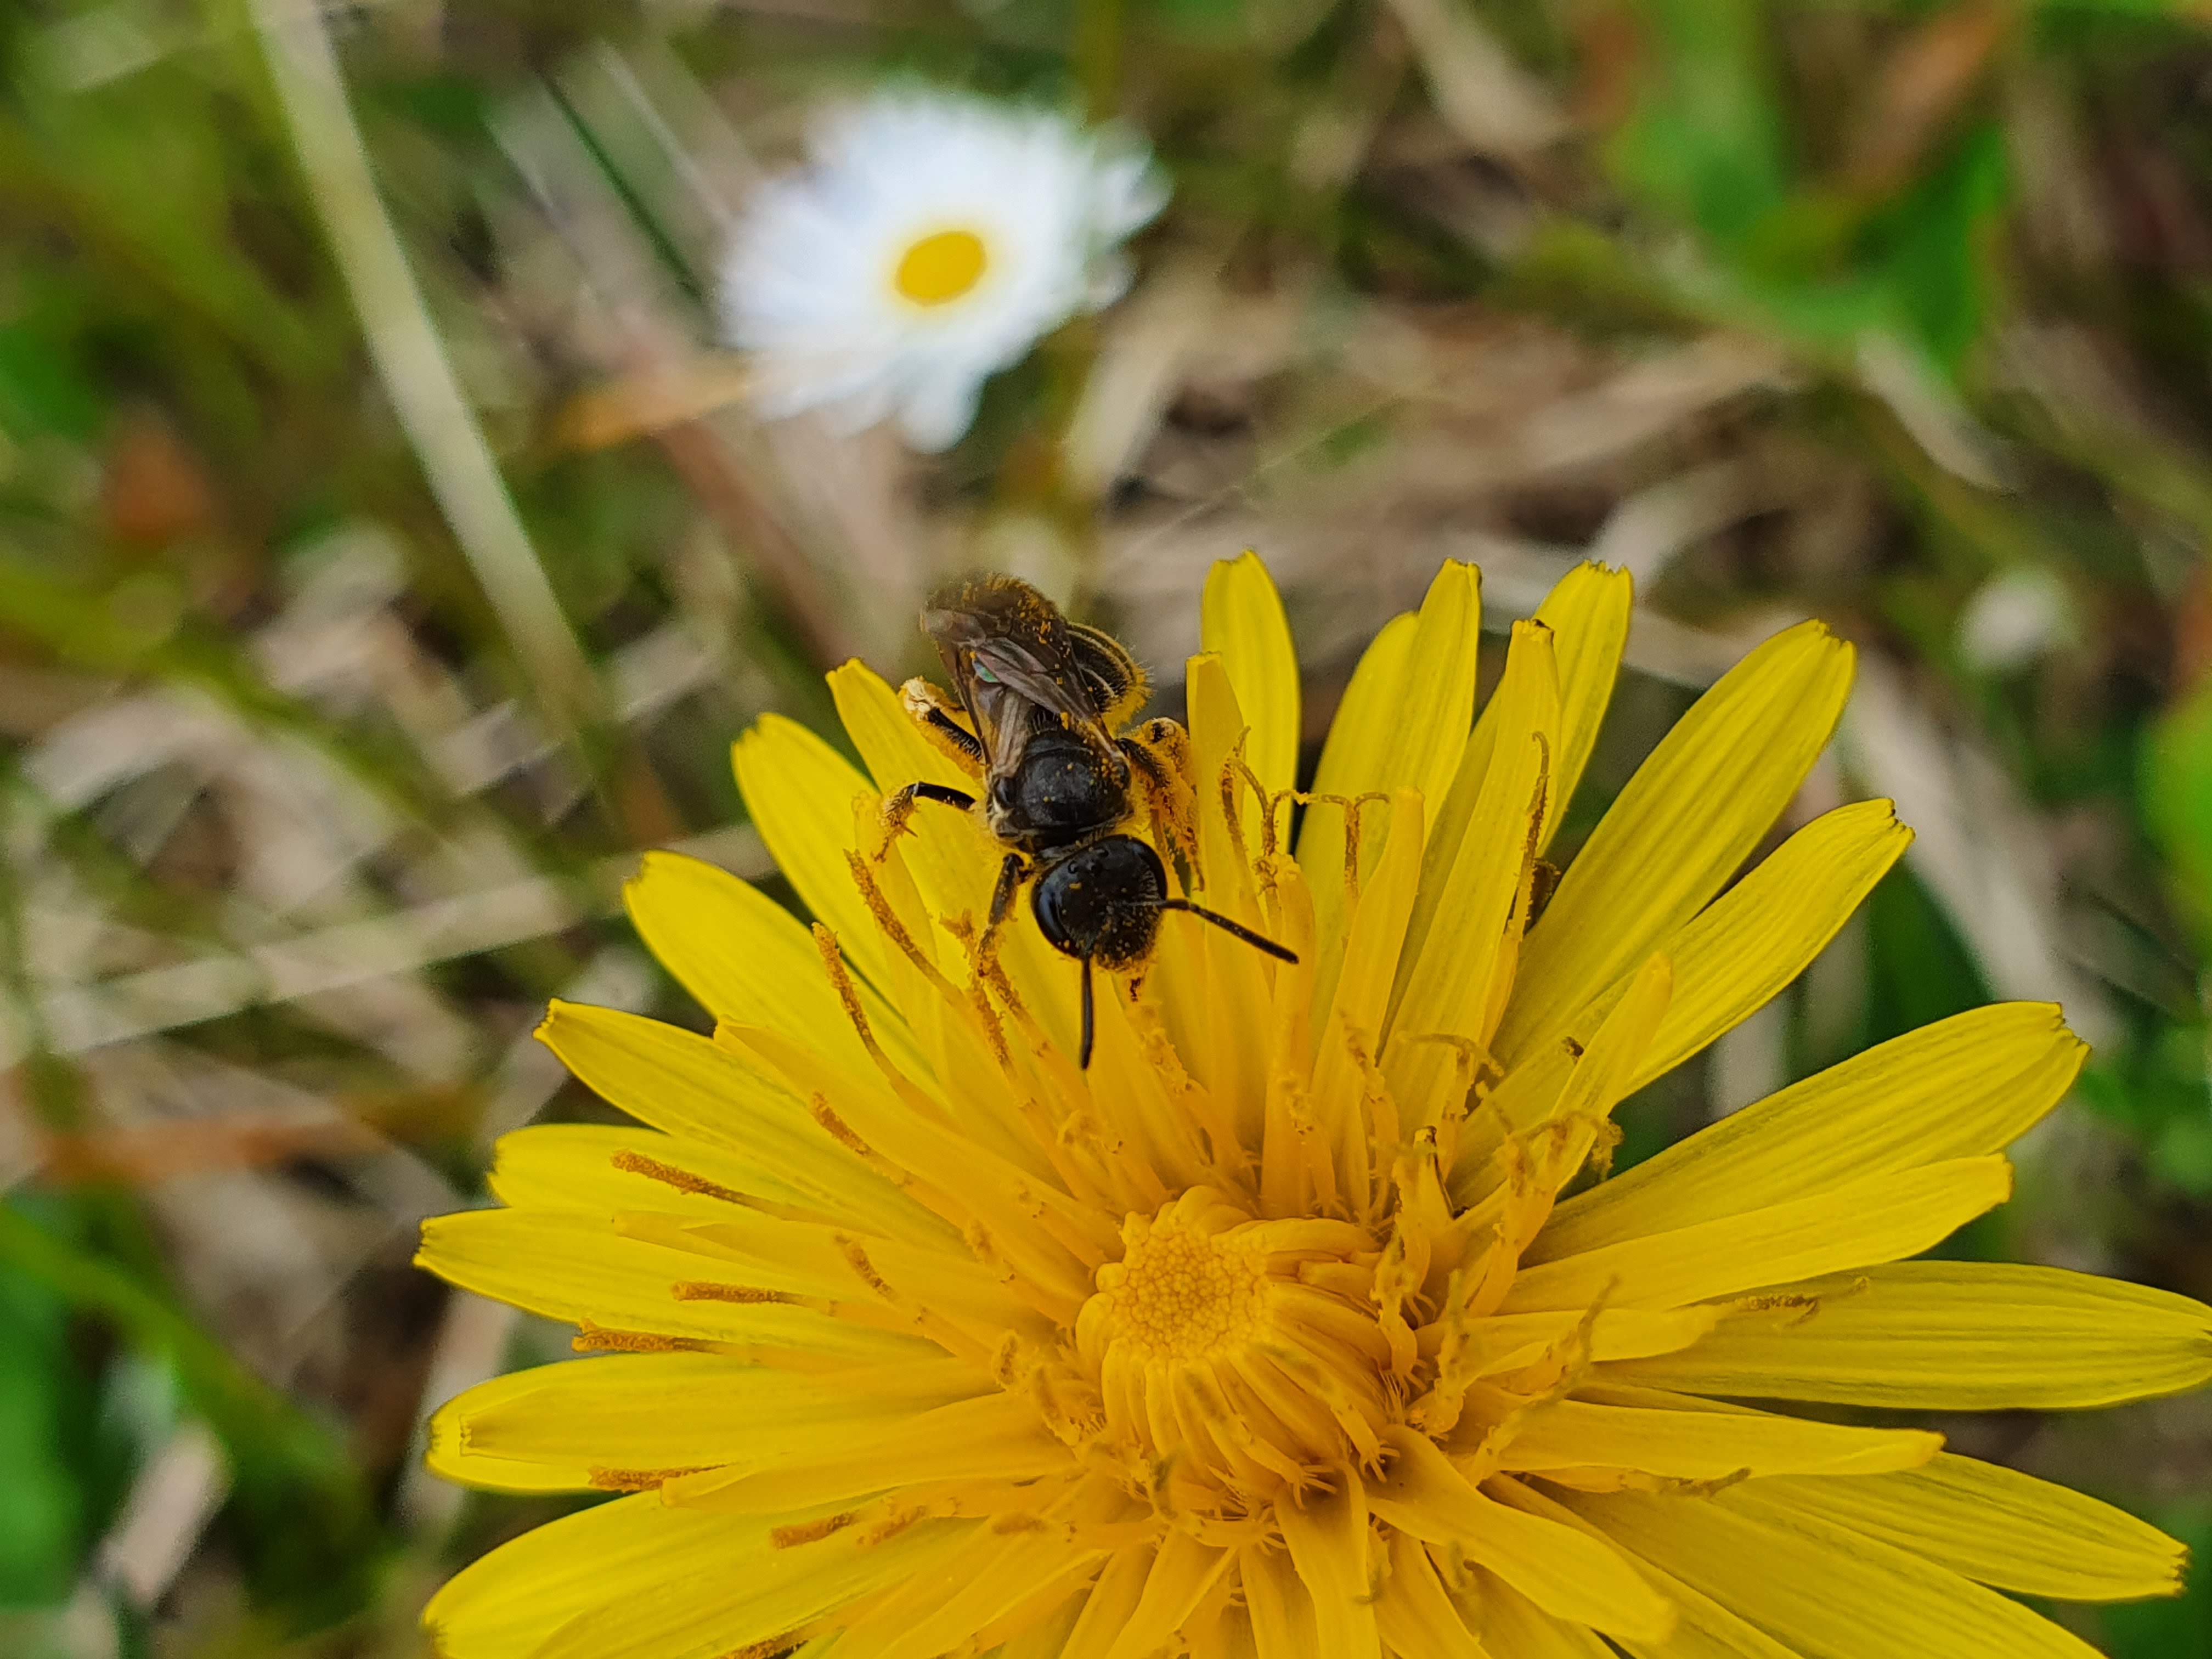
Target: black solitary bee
{"type": "Point", "coordinates": [1046, 702]}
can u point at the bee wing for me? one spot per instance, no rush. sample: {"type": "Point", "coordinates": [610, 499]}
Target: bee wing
{"type": "Point", "coordinates": [1010, 655]}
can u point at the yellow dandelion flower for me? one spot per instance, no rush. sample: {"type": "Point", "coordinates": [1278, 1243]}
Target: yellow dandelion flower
{"type": "Point", "coordinates": [1285, 1330]}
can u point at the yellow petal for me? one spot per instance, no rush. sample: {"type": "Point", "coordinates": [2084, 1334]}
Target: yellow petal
{"type": "Point", "coordinates": [1047, 1637]}
{"type": "Point", "coordinates": [1738, 954]}
{"type": "Point", "coordinates": [1232, 1063]}
{"type": "Point", "coordinates": [1416, 1614]}
{"type": "Point", "coordinates": [743, 956]}
{"type": "Point", "coordinates": [1112, 1602]}
{"type": "Point", "coordinates": [997, 1437]}
{"type": "Point", "coordinates": [1464, 938]}
{"type": "Point", "coordinates": [1000, 1577]}
{"type": "Point", "coordinates": [1513, 1627]}
{"type": "Point", "coordinates": [714, 1611]}
{"type": "Point", "coordinates": [1329, 1539]}
{"type": "Point", "coordinates": [2003, 1528]}
{"type": "Point", "coordinates": [1241, 617]}
{"type": "Point", "coordinates": [1692, 1445]}
{"type": "Point", "coordinates": [1565, 1572]}
{"type": "Point", "coordinates": [593, 1166]}
{"type": "Point", "coordinates": [799, 793]}
{"type": "Point", "coordinates": [1281, 1612]}
{"type": "Point", "coordinates": [1364, 720]}
{"type": "Point", "coordinates": [1405, 716]}
{"type": "Point", "coordinates": [952, 856]}
{"type": "Point", "coordinates": [1402, 725]}
{"type": "Point", "coordinates": [1374, 933]}
{"type": "Point", "coordinates": [590, 1422]}
{"type": "Point", "coordinates": [1506, 1342]}
{"type": "Point", "coordinates": [1879, 1218]}
{"type": "Point", "coordinates": [1366, 717]}
{"type": "Point", "coordinates": [1822, 1590]}
{"type": "Point", "coordinates": [1703, 1628]}
{"type": "Point", "coordinates": [1181, 1574]}
{"type": "Point", "coordinates": [1587, 613]}
{"type": "Point", "coordinates": [1965, 1086]}
{"type": "Point", "coordinates": [706, 1092]}
{"type": "Point", "coordinates": [504, 1604]}
{"type": "Point", "coordinates": [570, 1265]}
{"type": "Point", "coordinates": [1950, 1336]}
{"type": "Point", "coordinates": [1688, 818]}
{"type": "Point", "coordinates": [1604, 1072]}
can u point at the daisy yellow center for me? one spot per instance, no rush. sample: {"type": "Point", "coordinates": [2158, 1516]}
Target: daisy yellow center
{"type": "Point", "coordinates": [941, 267]}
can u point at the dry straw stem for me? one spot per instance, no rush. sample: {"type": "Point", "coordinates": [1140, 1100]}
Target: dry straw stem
{"type": "Point", "coordinates": [1487, 98]}
{"type": "Point", "coordinates": [349, 954]}
{"type": "Point", "coordinates": [412, 362]}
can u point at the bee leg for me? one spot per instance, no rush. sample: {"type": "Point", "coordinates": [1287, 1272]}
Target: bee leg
{"type": "Point", "coordinates": [898, 807]}
{"type": "Point", "coordinates": [1012, 872]}
{"type": "Point", "coordinates": [939, 717]}
{"type": "Point", "coordinates": [1159, 760]}
{"type": "Point", "coordinates": [1011, 869]}
{"type": "Point", "coordinates": [1090, 1020]}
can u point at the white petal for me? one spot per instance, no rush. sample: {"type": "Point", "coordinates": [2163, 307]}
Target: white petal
{"type": "Point", "coordinates": [938, 413]}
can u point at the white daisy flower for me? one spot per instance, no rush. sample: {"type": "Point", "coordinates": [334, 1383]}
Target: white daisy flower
{"type": "Point", "coordinates": [930, 242]}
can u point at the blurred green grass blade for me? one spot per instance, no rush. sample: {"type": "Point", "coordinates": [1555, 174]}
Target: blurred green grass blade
{"type": "Point", "coordinates": [1707, 142]}
{"type": "Point", "coordinates": [45, 1528]}
{"type": "Point", "coordinates": [143, 185]}
{"type": "Point", "coordinates": [2154, 1090]}
{"type": "Point", "coordinates": [416, 369]}
{"type": "Point", "coordinates": [1920, 971]}
{"type": "Point", "coordinates": [311, 1542]}
{"type": "Point", "coordinates": [2175, 793]}
{"type": "Point", "coordinates": [1710, 145]}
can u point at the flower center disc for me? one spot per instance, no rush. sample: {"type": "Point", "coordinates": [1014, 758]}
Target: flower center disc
{"type": "Point", "coordinates": [940, 267]}
{"type": "Point", "coordinates": [1181, 1294]}
{"type": "Point", "coordinates": [1245, 1349]}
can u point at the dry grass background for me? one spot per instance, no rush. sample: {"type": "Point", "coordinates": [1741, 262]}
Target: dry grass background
{"type": "Point", "coordinates": [384, 562]}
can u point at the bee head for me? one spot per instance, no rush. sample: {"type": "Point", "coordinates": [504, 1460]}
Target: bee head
{"type": "Point", "coordinates": [1103, 903]}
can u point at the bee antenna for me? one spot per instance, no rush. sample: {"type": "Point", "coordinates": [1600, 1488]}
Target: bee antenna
{"type": "Point", "coordinates": [1280, 953]}
{"type": "Point", "coordinates": [1083, 1058]}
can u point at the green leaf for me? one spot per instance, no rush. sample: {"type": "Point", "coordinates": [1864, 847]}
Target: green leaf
{"type": "Point", "coordinates": [1935, 247]}
{"type": "Point", "coordinates": [42, 391]}
{"type": "Point", "coordinates": [311, 1542]}
{"type": "Point", "coordinates": [2153, 1088]}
